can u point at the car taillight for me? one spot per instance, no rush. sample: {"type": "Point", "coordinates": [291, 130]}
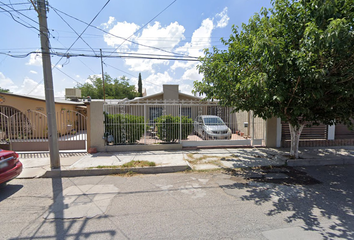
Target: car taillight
{"type": "Point", "coordinates": [15, 155]}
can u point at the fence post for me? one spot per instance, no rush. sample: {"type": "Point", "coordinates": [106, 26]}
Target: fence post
{"type": "Point", "coordinates": [252, 133]}
{"type": "Point", "coordinates": [180, 123]}
{"type": "Point", "coordinates": [145, 118]}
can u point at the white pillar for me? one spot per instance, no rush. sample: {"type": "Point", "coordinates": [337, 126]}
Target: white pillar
{"type": "Point", "coordinates": [278, 141]}
{"type": "Point", "coordinates": [331, 132]}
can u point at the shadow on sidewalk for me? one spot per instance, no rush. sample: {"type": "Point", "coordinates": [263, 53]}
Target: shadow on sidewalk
{"type": "Point", "coordinates": [325, 208]}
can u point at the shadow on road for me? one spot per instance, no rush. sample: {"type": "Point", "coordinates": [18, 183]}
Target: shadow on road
{"type": "Point", "coordinates": [56, 225]}
{"type": "Point", "coordinates": [8, 190]}
{"type": "Point", "coordinates": [326, 208]}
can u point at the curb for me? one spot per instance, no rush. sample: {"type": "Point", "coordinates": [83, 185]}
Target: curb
{"type": "Point", "coordinates": [320, 162]}
{"type": "Point", "coordinates": [110, 171]}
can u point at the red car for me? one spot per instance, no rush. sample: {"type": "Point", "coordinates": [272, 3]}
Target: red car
{"type": "Point", "coordinates": [10, 166]}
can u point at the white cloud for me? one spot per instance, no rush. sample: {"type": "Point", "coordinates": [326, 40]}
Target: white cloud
{"type": "Point", "coordinates": [123, 30]}
{"type": "Point", "coordinates": [155, 36]}
{"type": "Point", "coordinates": [33, 72]}
{"type": "Point", "coordinates": [223, 19]}
{"type": "Point", "coordinates": [192, 73]}
{"type": "Point", "coordinates": [7, 83]}
{"type": "Point", "coordinates": [30, 87]}
{"type": "Point", "coordinates": [154, 82]}
{"type": "Point", "coordinates": [109, 23]}
{"type": "Point", "coordinates": [35, 59]}
{"type": "Point", "coordinates": [200, 40]}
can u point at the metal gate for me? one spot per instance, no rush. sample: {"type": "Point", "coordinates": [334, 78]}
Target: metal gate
{"type": "Point", "coordinates": [29, 131]}
{"type": "Point", "coordinates": [160, 122]}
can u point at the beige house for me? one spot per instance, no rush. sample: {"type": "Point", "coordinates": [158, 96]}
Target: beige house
{"type": "Point", "coordinates": [23, 120]}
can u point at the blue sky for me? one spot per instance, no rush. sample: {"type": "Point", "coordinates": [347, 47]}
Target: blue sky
{"type": "Point", "coordinates": [186, 27]}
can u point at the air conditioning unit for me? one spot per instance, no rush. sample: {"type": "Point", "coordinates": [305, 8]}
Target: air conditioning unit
{"type": "Point", "coordinates": [72, 93]}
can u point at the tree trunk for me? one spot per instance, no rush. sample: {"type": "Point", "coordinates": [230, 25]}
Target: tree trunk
{"type": "Point", "coordinates": [295, 133]}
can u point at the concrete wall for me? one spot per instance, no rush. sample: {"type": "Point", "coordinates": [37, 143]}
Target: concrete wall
{"type": "Point", "coordinates": [272, 135]}
{"type": "Point", "coordinates": [95, 130]}
{"type": "Point", "coordinates": [170, 92]}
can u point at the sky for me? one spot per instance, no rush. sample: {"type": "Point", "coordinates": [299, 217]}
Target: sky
{"type": "Point", "coordinates": [125, 30]}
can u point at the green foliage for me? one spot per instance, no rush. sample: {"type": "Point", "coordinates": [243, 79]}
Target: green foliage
{"type": "Point", "coordinates": [140, 86]}
{"type": "Point", "coordinates": [114, 88]}
{"type": "Point", "coordinates": [168, 127]}
{"type": "Point", "coordinates": [294, 61]}
{"type": "Point", "coordinates": [124, 128]}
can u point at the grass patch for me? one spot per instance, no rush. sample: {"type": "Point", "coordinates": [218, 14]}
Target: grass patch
{"type": "Point", "coordinates": [104, 167]}
{"type": "Point", "coordinates": [191, 158]}
{"type": "Point", "coordinates": [130, 164]}
{"type": "Point", "coordinates": [138, 163]}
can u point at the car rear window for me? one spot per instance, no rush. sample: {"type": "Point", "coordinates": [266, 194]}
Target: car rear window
{"type": "Point", "coordinates": [213, 121]}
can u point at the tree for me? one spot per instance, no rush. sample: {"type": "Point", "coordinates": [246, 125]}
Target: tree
{"type": "Point", "coordinates": [114, 88]}
{"type": "Point", "coordinates": [294, 61]}
{"type": "Point", "coordinates": [3, 90]}
{"type": "Point", "coordinates": [140, 86]}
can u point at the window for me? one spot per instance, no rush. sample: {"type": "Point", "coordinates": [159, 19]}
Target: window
{"type": "Point", "coordinates": [154, 112]}
{"type": "Point", "coordinates": [186, 111]}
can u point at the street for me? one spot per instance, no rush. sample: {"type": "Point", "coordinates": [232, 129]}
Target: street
{"type": "Point", "coordinates": [190, 205]}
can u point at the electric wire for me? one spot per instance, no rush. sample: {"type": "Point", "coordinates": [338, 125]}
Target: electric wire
{"type": "Point", "coordinates": [74, 31]}
{"type": "Point", "coordinates": [128, 73]}
{"type": "Point", "coordinates": [111, 34]}
{"type": "Point", "coordinates": [12, 16]}
{"type": "Point", "coordinates": [78, 37]}
{"type": "Point", "coordinates": [145, 24]}
{"type": "Point", "coordinates": [138, 56]}
{"type": "Point", "coordinates": [7, 5]}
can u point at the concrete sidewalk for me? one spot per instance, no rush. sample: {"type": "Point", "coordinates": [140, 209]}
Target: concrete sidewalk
{"type": "Point", "coordinates": [104, 163]}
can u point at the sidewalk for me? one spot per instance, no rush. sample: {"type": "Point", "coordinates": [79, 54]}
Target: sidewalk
{"type": "Point", "coordinates": [75, 164]}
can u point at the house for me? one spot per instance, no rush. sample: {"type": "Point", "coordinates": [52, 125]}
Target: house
{"type": "Point", "coordinates": [23, 120]}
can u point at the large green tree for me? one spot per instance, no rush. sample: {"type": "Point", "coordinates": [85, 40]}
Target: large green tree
{"type": "Point", "coordinates": [294, 61]}
{"type": "Point", "coordinates": [114, 88]}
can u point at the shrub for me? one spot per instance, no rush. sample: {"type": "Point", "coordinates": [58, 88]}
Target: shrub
{"type": "Point", "coordinates": [124, 128]}
{"type": "Point", "coordinates": [168, 128]}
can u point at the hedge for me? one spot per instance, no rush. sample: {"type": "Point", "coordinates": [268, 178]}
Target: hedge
{"type": "Point", "coordinates": [124, 128]}
{"type": "Point", "coordinates": [168, 127]}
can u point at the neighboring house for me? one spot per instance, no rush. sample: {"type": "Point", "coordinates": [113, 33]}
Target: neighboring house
{"type": "Point", "coordinates": [25, 117]}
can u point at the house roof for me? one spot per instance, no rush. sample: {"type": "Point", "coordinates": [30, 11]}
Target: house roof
{"type": "Point", "coordinates": [40, 98]}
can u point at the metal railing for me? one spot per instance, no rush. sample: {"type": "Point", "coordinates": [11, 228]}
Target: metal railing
{"type": "Point", "coordinates": [31, 126]}
{"type": "Point", "coordinates": [161, 122]}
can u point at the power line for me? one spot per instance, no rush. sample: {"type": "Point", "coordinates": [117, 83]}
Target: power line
{"type": "Point", "coordinates": [84, 30]}
{"type": "Point", "coordinates": [74, 31]}
{"type": "Point", "coordinates": [132, 55]}
{"type": "Point", "coordinates": [156, 48]}
{"type": "Point", "coordinates": [79, 36]}
{"type": "Point", "coordinates": [129, 74]}
{"type": "Point", "coordinates": [145, 24]}
{"type": "Point", "coordinates": [12, 16]}
{"type": "Point", "coordinates": [7, 5]}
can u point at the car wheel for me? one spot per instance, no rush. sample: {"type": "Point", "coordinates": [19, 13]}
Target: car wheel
{"type": "Point", "coordinates": [2, 185]}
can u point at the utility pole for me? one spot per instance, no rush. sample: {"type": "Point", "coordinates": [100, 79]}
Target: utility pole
{"type": "Point", "coordinates": [104, 93]}
{"type": "Point", "coordinates": [48, 85]}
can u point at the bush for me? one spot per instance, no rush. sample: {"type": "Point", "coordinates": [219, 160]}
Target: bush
{"type": "Point", "coordinates": [124, 128]}
{"type": "Point", "coordinates": [168, 128]}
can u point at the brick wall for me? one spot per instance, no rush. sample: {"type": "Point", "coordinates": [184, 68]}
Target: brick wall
{"type": "Point", "coordinates": [321, 143]}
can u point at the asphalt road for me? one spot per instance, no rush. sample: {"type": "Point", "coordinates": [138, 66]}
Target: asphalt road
{"type": "Point", "coordinates": [210, 205]}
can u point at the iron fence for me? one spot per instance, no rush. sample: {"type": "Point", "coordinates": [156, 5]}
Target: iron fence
{"type": "Point", "coordinates": [27, 130]}
{"type": "Point", "coordinates": [161, 122]}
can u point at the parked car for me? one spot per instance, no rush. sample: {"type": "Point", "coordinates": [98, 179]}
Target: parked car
{"type": "Point", "coordinates": [211, 127]}
{"type": "Point", "coordinates": [10, 166]}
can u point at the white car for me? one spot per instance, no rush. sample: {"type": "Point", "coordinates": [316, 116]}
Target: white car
{"type": "Point", "coordinates": [211, 127]}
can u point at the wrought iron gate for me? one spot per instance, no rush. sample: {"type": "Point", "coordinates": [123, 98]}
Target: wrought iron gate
{"type": "Point", "coordinates": [29, 131]}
